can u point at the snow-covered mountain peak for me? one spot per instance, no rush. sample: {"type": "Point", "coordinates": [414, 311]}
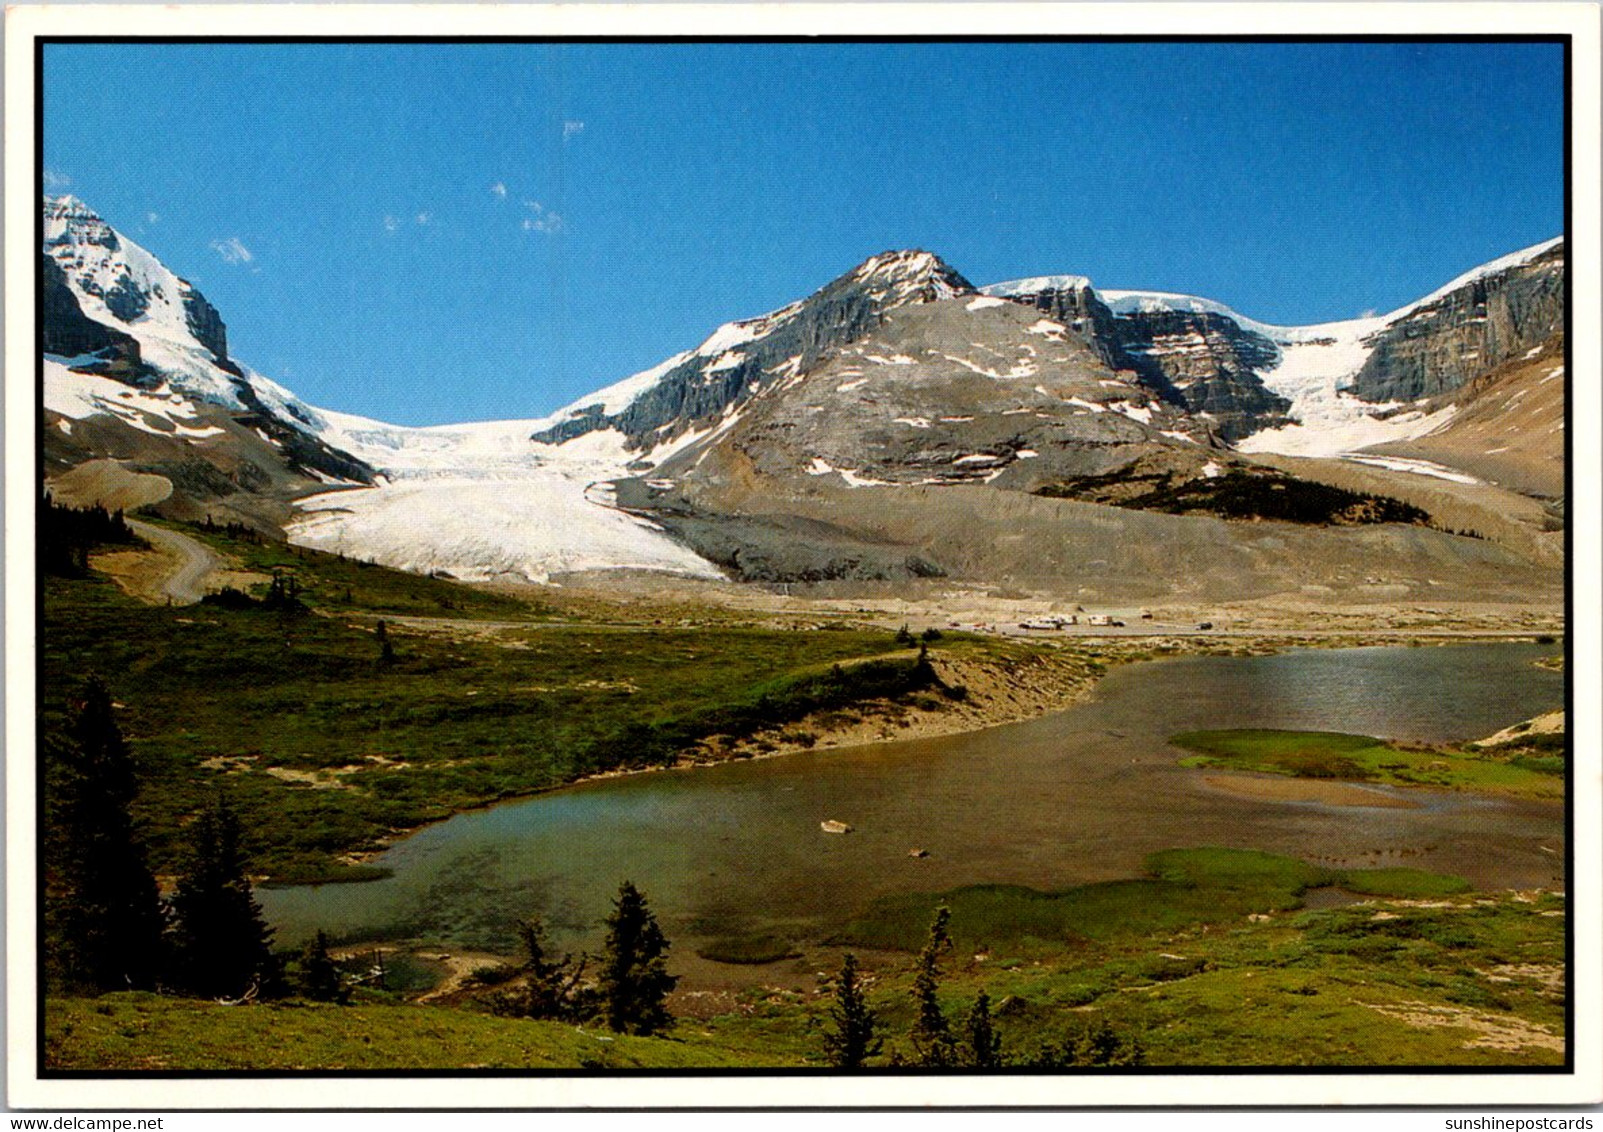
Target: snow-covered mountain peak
{"type": "Point", "coordinates": [121, 285]}
{"type": "Point", "coordinates": [912, 276]}
{"type": "Point", "coordinates": [1152, 302]}
{"type": "Point", "coordinates": [70, 220]}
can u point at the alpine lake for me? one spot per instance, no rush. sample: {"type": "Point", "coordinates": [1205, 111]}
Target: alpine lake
{"type": "Point", "coordinates": [1079, 796]}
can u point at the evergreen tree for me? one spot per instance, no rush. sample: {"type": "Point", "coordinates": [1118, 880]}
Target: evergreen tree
{"type": "Point", "coordinates": [386, 650]}
{"type": "Point", "coordinates": [634, 981]}
{"type": "Point", "coordinates": [933, 1043]}
{"type": "Point", "coordinates": [854, 1039]}
{"type": "Point", "coordinates": [551, 985]}
{"type": "Point", "coordinates": [1100, 1045]}
{"type": "Point", "coordinates": [320, 977]}
{"type": "Point", "coordinates": [984, 1043]}
{"type": "Point", "coordinates": [904, 636]}
{"type": "Point", "coordinates": [223, 945]}
{"type": "Point", "coordinates": [102, 904]}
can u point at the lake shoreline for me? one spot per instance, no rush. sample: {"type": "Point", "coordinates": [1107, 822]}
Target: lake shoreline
{"type": "Point", "coordinates": [970, 717]}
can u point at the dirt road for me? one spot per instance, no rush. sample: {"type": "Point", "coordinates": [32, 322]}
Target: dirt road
{"type": "Point", "coordinates": [186, 564]}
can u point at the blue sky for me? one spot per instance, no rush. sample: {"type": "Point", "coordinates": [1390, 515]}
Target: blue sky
{"type": "Point", "coordinates": [435, 233]}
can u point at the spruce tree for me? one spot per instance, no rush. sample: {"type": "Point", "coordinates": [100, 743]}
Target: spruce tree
{"type": "Point", "coordinates": [854, 1039]}
{"type": "Point", "coordinates": [103, 907]}
{"type": "Point", "coordinates": [635, 983]}
{"type": "Point", "coordinates": [223, 945]}
{"type": "Point", "coordinates": [551, 984]}
{"type": "Point", "coordinates": [933, 1043]}
{"type": "Point", "coordinates": [320, 976]}
{"type": "Point", "coordinates": [984, 1043]}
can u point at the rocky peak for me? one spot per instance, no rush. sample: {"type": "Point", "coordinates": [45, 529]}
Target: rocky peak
{"type": "Point", "coordinates": [743, 359]}
{"type": "Point", "coordinates": [910, 276]}
{"type": "Point", "coordinates": [69, 220]}
{"type": "Point", "coordinates": [121, 284]}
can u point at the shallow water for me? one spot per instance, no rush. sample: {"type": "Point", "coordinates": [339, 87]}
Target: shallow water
{"type": "Point", "coordinates": [1079, 796]}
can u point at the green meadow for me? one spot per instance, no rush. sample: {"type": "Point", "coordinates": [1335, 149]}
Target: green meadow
{"type": "Point", "coordinates": [1362, 758]}
{"type": "Point", "coordinates": [1208, 960]}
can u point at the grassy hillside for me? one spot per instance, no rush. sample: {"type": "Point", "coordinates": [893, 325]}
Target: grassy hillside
{"type": "Point", "coordinates": [1448, 980]}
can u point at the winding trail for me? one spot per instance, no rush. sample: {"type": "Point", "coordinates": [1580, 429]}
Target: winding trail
{"type": "Point", "coordinates": [195, 563]}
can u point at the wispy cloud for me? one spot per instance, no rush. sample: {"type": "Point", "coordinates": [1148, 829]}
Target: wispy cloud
{"type": "Point", "coordinates": [571, 127]}
{"type": "Point", "coordinates": [55, 179]}
{"type": "Point", "coordinates": [545, 222]}
{"type": "Point", "coordinates": [391, 224]}
{"type": "Point", "coordinates": [424, 217]}
{"type": "Point", "coordinates": [232, 250]}
{"type": "Point", "coordinates": [499, 189]}
{"type": "Point", "coordinates": [152, 218]}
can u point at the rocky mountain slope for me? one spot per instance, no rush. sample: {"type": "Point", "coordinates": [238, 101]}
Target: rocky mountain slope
{"type": "Point", "coordinates": [1508, 425]}
{"type": "Point", "coordinates": [741, 359]}
{"type": "Point", "coordinates": [868, 432]}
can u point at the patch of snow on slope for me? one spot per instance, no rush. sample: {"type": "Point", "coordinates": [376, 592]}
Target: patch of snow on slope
{"type": "Point", "coordinates": [853, 479]}
{"type": "Point", "coordinates": [82, 395]}
{"type": "Point", "coordinates": [984, 301]}
{"type": "Point", "coordinates": [1417, 467]}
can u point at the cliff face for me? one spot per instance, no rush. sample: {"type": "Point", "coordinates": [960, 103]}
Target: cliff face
{"type": "Point", "coordinates": [69, 332]}
{"type": "Point", "coordinates": [207, 326]}
{"type": "Point", "coordinates": [1206, 363]}
{"type": "Point", "coordinates": [1202, 361]}
{"type": "Point", "coordinates": [1450, 340]}
{"type": "Point", "coordinates": [1074, 303]}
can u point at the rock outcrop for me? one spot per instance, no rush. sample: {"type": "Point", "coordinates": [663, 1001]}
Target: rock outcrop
{"type": "Point", "coordinates": [1453, 338]}
{"type": "Point", "coordinates": [1208, 364]}
{"type": "Point", "coordinates": [1073, 302]}
{"type": "Point", "coordinates": [207, 326]}
{"type": "Point", "coordinates": [66, 330]}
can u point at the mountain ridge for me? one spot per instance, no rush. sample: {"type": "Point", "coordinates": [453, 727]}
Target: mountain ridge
{"type": "Point", "coordinates": [900, 372]}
